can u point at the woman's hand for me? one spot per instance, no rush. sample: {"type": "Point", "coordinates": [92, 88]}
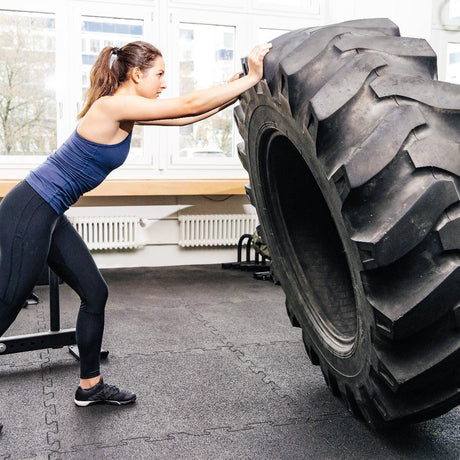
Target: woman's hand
{"type": "Point", "coordinates": [237, 76]}
{"type": "Point", "coordinates": [256, 60]}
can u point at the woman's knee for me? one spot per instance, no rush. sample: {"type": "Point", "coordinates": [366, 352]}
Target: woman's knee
{"type": "Point", "coordinates": [95, 299]}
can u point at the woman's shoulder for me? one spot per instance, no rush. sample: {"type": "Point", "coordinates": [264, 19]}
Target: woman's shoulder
{"type": "Point", "coordinates": [113, 105]}
{"type": "Point", "coordinates": [103, 126]}
{"type": "Point", "coordinates": [100, 103]}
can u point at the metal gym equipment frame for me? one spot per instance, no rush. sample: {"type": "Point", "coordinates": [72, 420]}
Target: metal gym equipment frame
{"type": "Point", "coordinates": [54, 338]}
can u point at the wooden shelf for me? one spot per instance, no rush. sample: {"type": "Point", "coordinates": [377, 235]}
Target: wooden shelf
{"type": "Point", "coordinates": [156, 187]}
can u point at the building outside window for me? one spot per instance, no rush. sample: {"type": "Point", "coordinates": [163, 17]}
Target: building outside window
{"type": "Point", "coordinates": [199, 45]}
{"type": "Point", "coordinates": [446, 38]}
{"type": "Point", "coordinates": [453, 63]}
{"type": "Point", "coordinates": [453, 49]}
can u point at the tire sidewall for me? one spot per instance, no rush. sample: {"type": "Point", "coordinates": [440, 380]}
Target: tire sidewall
{"type": "Point", "coordinates": [266, 121]}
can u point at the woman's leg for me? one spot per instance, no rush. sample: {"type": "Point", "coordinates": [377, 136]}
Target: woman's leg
{"type": "Point", "coordinates": [31, 233]}
{"type": "Point", "coordinates": [26, 225]}
{"type": "Point", "coordinates": [70, 258]}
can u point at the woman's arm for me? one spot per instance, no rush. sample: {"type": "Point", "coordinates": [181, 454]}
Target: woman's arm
{"type": "Point", "coordinates": [197, 103]}
{"type": "Point", "coordinates": [183, 121]}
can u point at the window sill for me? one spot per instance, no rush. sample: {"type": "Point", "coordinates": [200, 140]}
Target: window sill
{"type": "Point", "coordinates": [156, 187]}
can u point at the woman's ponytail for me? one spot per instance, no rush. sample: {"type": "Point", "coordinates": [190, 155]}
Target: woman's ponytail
{"type": "Point", "coordinates": [106, 78]}
{"type": "Point", "coordinates": [102, 80]}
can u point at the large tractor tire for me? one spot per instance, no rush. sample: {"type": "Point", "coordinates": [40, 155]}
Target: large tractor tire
{"type": "Point", "coordinates": [353, 153]}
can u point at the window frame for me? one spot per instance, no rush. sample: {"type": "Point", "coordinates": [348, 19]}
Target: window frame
{"type": "Point", "coordinates": [445, 30]}
{"type": "Point", "coordinates": [303, 7]}
{"type": "Point", "coordinates": [177, 17]}
{"type": "Point", "coordinates": [12, 163]}
{"type": "Point", "coordinates": [161, 19]}
{"type": "Point", "coordinates": [150, 17]}
{"type": "Point", "coordinates": [281, 23]}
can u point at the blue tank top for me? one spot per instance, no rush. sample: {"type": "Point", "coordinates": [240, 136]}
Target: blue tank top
{"type": "Point", "coordinates": [76, 167]}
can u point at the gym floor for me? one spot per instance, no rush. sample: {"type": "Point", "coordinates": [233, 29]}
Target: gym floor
{"type": "Point", "coordinates": [219, 374]}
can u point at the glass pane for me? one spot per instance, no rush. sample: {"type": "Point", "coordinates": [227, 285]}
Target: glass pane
{"type": "Point", "coordinates": [206, 58]}
{"type": "Point", "coordinates": [27, 83]}
{"type": "Point", "coordinates": [267, 35]}
{"type": "Point", "coordinates": [454, 9]}
{"type": "Point", "coordinates": [453, 63]}
{"type": "Point", "coordinates": [98, 32]}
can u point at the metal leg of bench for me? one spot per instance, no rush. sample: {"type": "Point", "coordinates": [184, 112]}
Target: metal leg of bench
{"type": "Point", "coordinates": [54, 338]}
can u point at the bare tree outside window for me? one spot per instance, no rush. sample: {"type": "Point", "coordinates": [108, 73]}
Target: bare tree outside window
{"type": "Point", "coordinates": [27, 93]}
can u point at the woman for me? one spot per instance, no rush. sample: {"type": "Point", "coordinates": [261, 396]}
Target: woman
{"type": "Point", "coordinates": [34, 230]}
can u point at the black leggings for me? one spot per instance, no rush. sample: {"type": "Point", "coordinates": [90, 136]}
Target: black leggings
{"type": "Point", "coordinates": [33, 234]}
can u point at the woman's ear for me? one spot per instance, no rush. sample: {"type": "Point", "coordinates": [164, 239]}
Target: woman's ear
{"type": "Point", "coordinates": [136, 74]}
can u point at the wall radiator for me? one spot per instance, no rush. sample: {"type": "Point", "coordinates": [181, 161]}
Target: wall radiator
{"type": "Point", "coordinates": [107, 232]}
{"type": "Point", "coordinates": [215, 230]}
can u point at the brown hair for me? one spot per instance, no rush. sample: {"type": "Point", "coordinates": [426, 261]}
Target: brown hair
{"type": "Point", "coordinates": [106, 78]}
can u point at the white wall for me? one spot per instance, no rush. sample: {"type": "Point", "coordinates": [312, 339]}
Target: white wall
{"type": "Point", "coordinates": [159, 233]}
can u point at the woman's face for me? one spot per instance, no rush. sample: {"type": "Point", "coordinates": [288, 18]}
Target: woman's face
{"type": "Point", "coordinates": [152, 81]}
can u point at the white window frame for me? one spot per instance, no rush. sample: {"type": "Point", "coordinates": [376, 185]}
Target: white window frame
{"type": "Point", "coordinates": [161, 20]}
{"type": "Point", "coordinates": [213, 5]}
{"type": "Point", "coordinates": [14, 166]}
{"type": "Point", "coordinates": [281, 23]}
{"type": "Point", "coordinates": [172, 162]}
{"type": "Point", "coordinates": [288, 7]}
{"type": "Point", "coordinates": [445, 30]}
{"type": "Point", "coordinates": [246, 35]}
{"type": "Point", "coordinates": [149, 15]}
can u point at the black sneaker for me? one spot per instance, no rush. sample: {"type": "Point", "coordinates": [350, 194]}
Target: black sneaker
{"type": "Point", "coordinates": [1, 427]}
{"type": "Point", "coordinates": [102, 393]}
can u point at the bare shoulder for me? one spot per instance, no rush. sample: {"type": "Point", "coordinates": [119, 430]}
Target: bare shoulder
{"type": "Point", "coordinates": [103, 104]}
{"type": "Point", "coordinates": [117, 105]}
{"type": "Point", "coordinates": [101, 123]}
{"type": "Point", "coordinates": [132, 107]}
{"type": "Point", "coordinates": [116, 100]}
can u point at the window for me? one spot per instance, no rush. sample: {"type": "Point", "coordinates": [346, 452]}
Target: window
{"type": "Point", "coordinates": [300, 6]}
{"type": "Point", "coordinates": [99, 32]}
{"type": "Point", "coordinates": [446, 38]}
{"type": "Point", "coordinates": [267, 35]}
{"type": "Point", "coordinates": [454, 9]}
{"type": "Point", "coordinates": [453, 63]}
{"type": "Point", "coordinates": [27, 83]}
{"type": "Point", "coordinates": [47, 49]}
{"type": "Point", "coordinates": [200, 45]}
